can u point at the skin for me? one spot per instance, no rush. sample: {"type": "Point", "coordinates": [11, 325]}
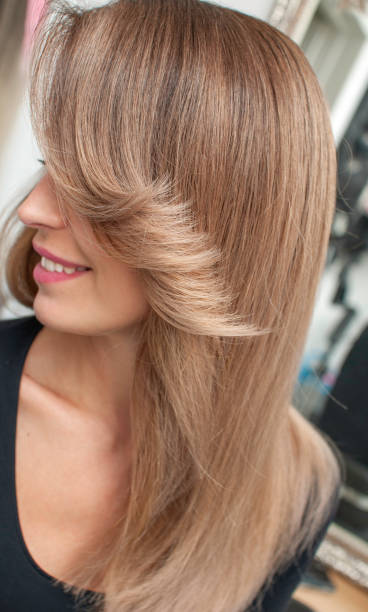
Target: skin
{"type": "Point", "coordinates": [89, 321]}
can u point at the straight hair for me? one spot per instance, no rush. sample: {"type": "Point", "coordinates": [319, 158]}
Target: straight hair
{"type": "Point", "coordinates": [196, 143]}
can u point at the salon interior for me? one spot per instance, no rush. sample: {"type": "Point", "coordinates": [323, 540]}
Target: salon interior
{"type": "Point", "coordinates": [332, 386]}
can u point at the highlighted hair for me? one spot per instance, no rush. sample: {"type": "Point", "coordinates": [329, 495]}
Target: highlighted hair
{"type": "Point", "coordinates": [196, 142]}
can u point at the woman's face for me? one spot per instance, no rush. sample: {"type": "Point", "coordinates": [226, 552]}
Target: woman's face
{"type": "Point", "coordinates": [105, 299]}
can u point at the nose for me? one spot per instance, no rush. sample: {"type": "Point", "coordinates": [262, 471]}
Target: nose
{"type": "Point", "coordinates": [40, 208]}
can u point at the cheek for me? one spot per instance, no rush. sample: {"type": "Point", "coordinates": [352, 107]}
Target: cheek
{"type": "Point", "coordinates": [121, 289]}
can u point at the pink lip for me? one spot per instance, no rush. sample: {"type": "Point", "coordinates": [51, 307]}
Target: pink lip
{"type": "Point", "coordinates": [64, 262]}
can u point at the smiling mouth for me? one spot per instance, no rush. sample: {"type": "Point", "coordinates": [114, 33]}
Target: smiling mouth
{"type": "Point", "coordinates": [49, 259]}
{"type": "Point", "coordinates": [53, 266]}
{"type": "Point", "coordinates": [45, 275]}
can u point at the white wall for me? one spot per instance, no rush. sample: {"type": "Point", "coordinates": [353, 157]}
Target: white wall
{"type": "Point", "coordinates": [261, 8]}
{"type": "Point", "coordinates": [20, 159]}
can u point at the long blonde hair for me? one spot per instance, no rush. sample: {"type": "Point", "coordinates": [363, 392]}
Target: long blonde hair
{"type": "Point", "coordinates": [196, 142]}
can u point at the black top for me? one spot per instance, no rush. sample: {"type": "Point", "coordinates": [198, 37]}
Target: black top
{"type": "Point", "coordinates": [25, 587]}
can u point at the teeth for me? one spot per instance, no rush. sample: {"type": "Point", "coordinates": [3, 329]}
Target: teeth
{"type": "Point", "coordinates": [52, 266]}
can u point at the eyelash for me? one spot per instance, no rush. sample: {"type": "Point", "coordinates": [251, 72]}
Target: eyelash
{"type": "Point", "coordinates": [42, 162]}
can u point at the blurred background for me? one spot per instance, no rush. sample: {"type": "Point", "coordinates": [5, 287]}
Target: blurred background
{"type": "Point", "coordinates": [332, 388]}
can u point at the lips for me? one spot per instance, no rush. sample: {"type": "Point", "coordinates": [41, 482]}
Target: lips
{"type": "Point", "coordinates": [64, 262]}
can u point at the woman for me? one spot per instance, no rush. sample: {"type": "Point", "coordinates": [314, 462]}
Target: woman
{"type": "Point", "coordinates": [190, 167]}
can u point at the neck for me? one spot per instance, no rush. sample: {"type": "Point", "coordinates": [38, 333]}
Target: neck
{"type": "Point", "coordinates": [92, 373]}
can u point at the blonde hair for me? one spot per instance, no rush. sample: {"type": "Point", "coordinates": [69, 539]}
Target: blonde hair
{"type": "Point", "coordinates": [196, 142]}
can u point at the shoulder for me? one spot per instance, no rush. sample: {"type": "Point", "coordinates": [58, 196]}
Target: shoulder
{"type": "Point", "coordinates": [18, 325]}
{"type": "Point", "coordinates": [279, 593]}
{"type": "Point", "coordinates": [18, 328]}
{"type": "Point", "coordinates": [10, 331]}
{"type": "Point", "coordinates": [8, 324]}
{"type": "Point", "coordinates": [16, 335]}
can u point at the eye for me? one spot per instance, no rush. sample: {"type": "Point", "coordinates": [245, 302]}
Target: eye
{"type": "Point", "coordinates": [42, 162]}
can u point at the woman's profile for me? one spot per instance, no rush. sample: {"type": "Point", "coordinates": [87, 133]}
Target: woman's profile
{"type": "Point", "coordinates": [170, 249]}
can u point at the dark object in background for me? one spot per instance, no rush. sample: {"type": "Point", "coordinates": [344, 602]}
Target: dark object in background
{"type": "Point", "coordinates": [345, 421]}
{"type": "Point", "coordinates": [347, 425]}
{"type": "Point", "coordinates": [352, 159]}
{"type": "Point", "coordinates": [349, 232]}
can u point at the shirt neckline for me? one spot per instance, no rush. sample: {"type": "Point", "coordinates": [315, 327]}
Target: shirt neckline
{"type": "Point", "coordinates": [19, 361]}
